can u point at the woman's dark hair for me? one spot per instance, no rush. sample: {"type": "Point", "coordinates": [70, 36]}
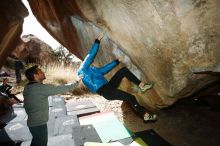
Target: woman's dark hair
{"type": "Point", "coordinates": [29, 73]}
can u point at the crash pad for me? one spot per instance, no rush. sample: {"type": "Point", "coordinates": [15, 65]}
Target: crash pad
{"type": "Point", "coordinates": [126, 141]}
{"type": "Point", "coordinates": [60, 140]}
{"type": "Point", "coordinates": [103, 144]}
{"type": "Point", "coordinates": [81, 108]}
{"type": "Point", "coordinates": [15, 131]}
{"type": "Point", "coordinates": [18, 105]}
{"type": "Point", "coordinates": [151, 138]}
{"type": "Point", "coordinates": [14, 115]}
{"type": "Point", "coordinates": [84, 112]}
{"type": "Point", "coordinates": [107, 126]}
{"type": "Point", "coordinates": [57, 111]}
{"type": "Point", "coordinates": [56, 101]}
{"type": "Point", "coordinates": [64, 124]}
{"type": "Point", "coordinates": [78, 105]}
{"type": "Point", "coordinates": [85, 133]}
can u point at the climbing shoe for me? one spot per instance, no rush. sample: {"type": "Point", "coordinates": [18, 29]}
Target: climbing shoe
{"type": "Point", "coordinates": [150, 117]}
{"type": "Point", "coordinates": [146, 87]}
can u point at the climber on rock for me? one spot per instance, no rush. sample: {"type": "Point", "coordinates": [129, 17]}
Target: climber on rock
{"type": "Point", "coordinates": [93, 78]}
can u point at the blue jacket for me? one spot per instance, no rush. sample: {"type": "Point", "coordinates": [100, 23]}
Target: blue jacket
{"type": "Point", "coordinates": [93, 77]}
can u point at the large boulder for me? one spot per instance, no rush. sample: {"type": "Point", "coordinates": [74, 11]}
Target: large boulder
{"type": "Point", "coordinates": [33, 50]}
{"type": "Point", "coordinates": [12, 13]}
{"type": "Point", "coordinates": [174, 44]}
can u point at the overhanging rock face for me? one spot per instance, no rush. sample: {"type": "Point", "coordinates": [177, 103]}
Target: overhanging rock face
{"type": "Point", "coordinates": [12, 15]}
{"type": "Point", "coordinates": [171, 43]}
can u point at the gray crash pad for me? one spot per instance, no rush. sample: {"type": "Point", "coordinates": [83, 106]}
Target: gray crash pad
{"type": "Point", "coordinates": [57, 111]}
{"type": "Point", "coordinates": [56, 101]}
{"type": "Point", "coordinates": [85, 133]}
{"type": "Point", "coordinates": [60, 140]}
{"type": "Point", "coordinates": [81, 108]}
{"type": "Point", "coordinates": [14, 115]}
{"type": "Point", "coordinates": [15, 131]}
{"type": "Point", "coordinates": [78, 105]}
{"type": "Point", "coordinates": [65, 124]}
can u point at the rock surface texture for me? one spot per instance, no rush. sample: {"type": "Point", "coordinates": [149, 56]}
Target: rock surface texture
{"type": "Point", "coordinates": [12, 15]}
{"type": "Point", "coordinates": [33, 50]}
{"type": "Point", "coordinates": [173, 43]}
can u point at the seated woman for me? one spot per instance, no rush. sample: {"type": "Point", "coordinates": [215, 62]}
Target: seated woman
{"type": "Point", "coordinates": [5, 88]}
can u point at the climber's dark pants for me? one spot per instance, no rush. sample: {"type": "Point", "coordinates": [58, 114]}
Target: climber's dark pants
{"type": "Point", "coordinates": [110, 91]}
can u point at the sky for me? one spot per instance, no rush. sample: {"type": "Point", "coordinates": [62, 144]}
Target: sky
{"type": "Point", "coordinates": [32, 26]}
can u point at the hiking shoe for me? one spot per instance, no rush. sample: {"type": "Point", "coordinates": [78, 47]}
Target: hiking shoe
{"type": "Point", "coordinates": [150, 117]}
{"type": "Point", "coordinates": [146, 87]}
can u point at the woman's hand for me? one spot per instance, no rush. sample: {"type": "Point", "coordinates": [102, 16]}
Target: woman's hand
{"type": "Point", "coordinates": [79, 78]}
{"type": "Point", "coordinates": [100, 36]}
